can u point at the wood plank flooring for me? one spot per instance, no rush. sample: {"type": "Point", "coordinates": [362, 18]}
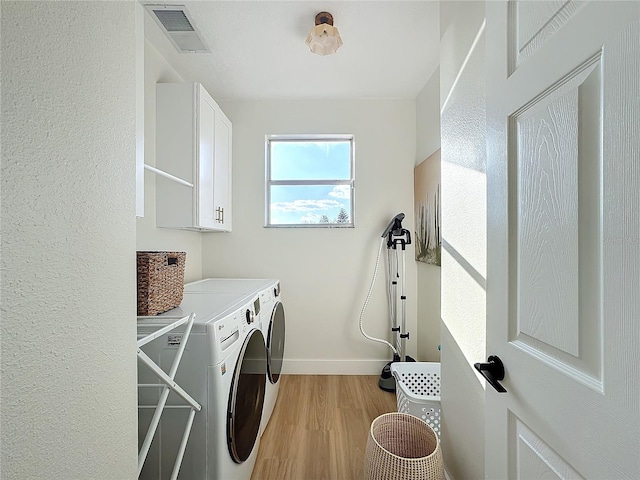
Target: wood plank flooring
{"type": "Point", "coordinates": [319, 427]}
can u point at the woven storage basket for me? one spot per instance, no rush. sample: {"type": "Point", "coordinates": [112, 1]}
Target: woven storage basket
{"type": "Point", "coordinates": [402, 447]}
{"type": "Point", "coordinates": [160, 281]}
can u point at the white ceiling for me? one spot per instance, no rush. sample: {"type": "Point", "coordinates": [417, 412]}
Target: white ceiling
{"type": "Point", "coordinates": [258, 49]}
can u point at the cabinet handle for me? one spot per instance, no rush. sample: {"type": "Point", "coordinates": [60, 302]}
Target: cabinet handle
{"type": "Point", "coordinates": [222, 215]}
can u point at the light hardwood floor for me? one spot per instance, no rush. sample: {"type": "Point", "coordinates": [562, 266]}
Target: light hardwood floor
{"type": "Point", "coordinates": [319, 427]}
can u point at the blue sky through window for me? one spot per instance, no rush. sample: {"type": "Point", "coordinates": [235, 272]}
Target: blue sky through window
{"type": "Point", "coordinates": [309, 162]}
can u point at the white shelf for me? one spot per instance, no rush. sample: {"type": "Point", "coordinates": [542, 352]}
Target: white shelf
{"type": "Point", "coordinates": [159, 327]}
{"type": "Point", "coordinates": [162, 173]}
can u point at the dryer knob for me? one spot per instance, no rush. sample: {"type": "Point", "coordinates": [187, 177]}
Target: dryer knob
{"type": "Point", "coordinates": [249, 316]}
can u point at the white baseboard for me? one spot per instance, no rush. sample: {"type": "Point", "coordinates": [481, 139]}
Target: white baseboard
{"type": "Point", "coordinates": [332, 367]}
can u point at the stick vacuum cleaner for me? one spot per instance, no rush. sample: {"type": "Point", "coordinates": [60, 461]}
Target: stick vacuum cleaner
{"type": "Point", "coordinates": [395, 236]}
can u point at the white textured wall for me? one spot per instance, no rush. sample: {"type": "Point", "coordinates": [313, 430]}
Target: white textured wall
{"type": "Point", "coordinates": [428, 118]}
{"type": "Point", "coordinates": [68, 241]}
{"type": "Point", "coordinates": [463, 125]}
{"type": "Point", "coordinates": [325, 273]}
{"type": "Point", "coordinates": [157, 70]}
{"type": "Point", "coordinates": [427, 142]}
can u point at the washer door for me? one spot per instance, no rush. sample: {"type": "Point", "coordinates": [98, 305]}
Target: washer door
{"type": "Point", "coordinates": [275, 343]}
{"type": "Point", "coordinates": [246, 397]}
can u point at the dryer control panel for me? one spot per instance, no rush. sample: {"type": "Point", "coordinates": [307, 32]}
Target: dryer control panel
{"type": "Point", "coordinates": [227, 332]}
{"type": "Point", "coordinates": [249, 316]}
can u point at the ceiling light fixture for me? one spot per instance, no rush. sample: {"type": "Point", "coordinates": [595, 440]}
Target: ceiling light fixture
{"type": "Point", "coordinates": [324, 38]}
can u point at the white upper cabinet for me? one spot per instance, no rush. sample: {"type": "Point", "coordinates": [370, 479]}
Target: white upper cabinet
{"type": "Point", "coordinates": [193, 144]}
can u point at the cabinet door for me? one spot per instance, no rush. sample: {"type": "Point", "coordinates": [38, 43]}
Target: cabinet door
{"type": "Point", "coordinates": [205, 211]}
{"type": "Point", "coordinates": [222, 171]}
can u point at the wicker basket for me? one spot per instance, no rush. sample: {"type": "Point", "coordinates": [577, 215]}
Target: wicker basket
{"type": "Point", "coordinates": [160, 281]}
{"type": "Point", "coordinates": [402, 447]}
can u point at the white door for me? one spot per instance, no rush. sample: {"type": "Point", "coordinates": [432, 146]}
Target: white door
{"type": "Point", "coordinates": [563, 280]}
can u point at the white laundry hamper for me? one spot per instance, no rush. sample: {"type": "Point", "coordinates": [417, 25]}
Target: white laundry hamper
{"type": "Point", "coordinates": [418, 391]}
{"type": "Point", "coordinates": [402, 447]}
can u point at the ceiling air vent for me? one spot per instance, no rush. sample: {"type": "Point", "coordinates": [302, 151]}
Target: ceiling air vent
{"type": "Point", "coordinates": [175, 22]}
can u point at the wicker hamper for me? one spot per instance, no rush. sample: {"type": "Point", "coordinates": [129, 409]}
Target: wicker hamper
{"type": "Point", "coordinates": [160, 281]}
{"type": "Point", "coordinates": [402, 447]}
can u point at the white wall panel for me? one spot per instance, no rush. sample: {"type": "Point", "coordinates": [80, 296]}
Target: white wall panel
{"type": "Point", "coordinates": [428, 286]}
{"type": "Point", "coordinates": [428, 118]}
{"type": "Point", "coordinates": [325, 273]}
{"type": "Point", "coordinates": [463, 125]}
{"type": "Point", "coordinates": [68, 241]}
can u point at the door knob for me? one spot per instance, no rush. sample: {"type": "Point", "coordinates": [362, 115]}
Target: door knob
{"type": "Point", "coordinates": [493, 371]}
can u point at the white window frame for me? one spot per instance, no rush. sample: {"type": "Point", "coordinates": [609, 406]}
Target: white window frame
{"type": "Point", "coordinates": [329, 182]}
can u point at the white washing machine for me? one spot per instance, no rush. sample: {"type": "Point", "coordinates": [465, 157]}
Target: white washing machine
{"type": "Point", "coordinates": [272, 318]}
{"type": "Point", "coordinates": [224, 368]}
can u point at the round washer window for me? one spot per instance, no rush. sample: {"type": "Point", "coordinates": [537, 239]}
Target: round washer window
{"type": "Point", "coordinates": [246, 397]}
{"type": "Point", "coordinates": [275, 343]}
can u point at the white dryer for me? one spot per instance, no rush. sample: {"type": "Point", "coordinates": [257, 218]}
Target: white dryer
{"type": "Point", "coordinates": [272, 319]}
{"type": "Point", "coordinates": [273, 328]}
{"type": "Point", "coordinates": [224, 368]}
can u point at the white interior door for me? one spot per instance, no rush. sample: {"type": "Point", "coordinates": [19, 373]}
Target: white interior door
{"type": "Point", "coordinates": [563, 280]}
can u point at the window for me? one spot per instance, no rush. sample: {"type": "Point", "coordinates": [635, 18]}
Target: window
{"type": "Point", "coordinates": [309, 181]}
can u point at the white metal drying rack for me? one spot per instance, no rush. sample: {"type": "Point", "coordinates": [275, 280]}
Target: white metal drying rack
{"type": "Point", "coordinates": [167, 384]}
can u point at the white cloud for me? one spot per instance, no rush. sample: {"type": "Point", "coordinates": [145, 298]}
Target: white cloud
{"type": "Point", "coordinates": [310, 218]}
{"type": "Point", "coordinates": [340, 191]}
{"type": "Point", "coordinates": [305, 205]}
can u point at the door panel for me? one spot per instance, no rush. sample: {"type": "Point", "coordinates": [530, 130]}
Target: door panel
{"type": "Point", "coordinates": [563, 239]}
{"type": "Point", "coordinates": [555, 225]}
{"type": "Point", "coordinates": [531, 23]}
{"type": "Point", "coordinates": [205, 164]}
{"type": "Point", "coordinates": [533, 458]}
{"type": "Point", "coordinates": [222, 174]}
